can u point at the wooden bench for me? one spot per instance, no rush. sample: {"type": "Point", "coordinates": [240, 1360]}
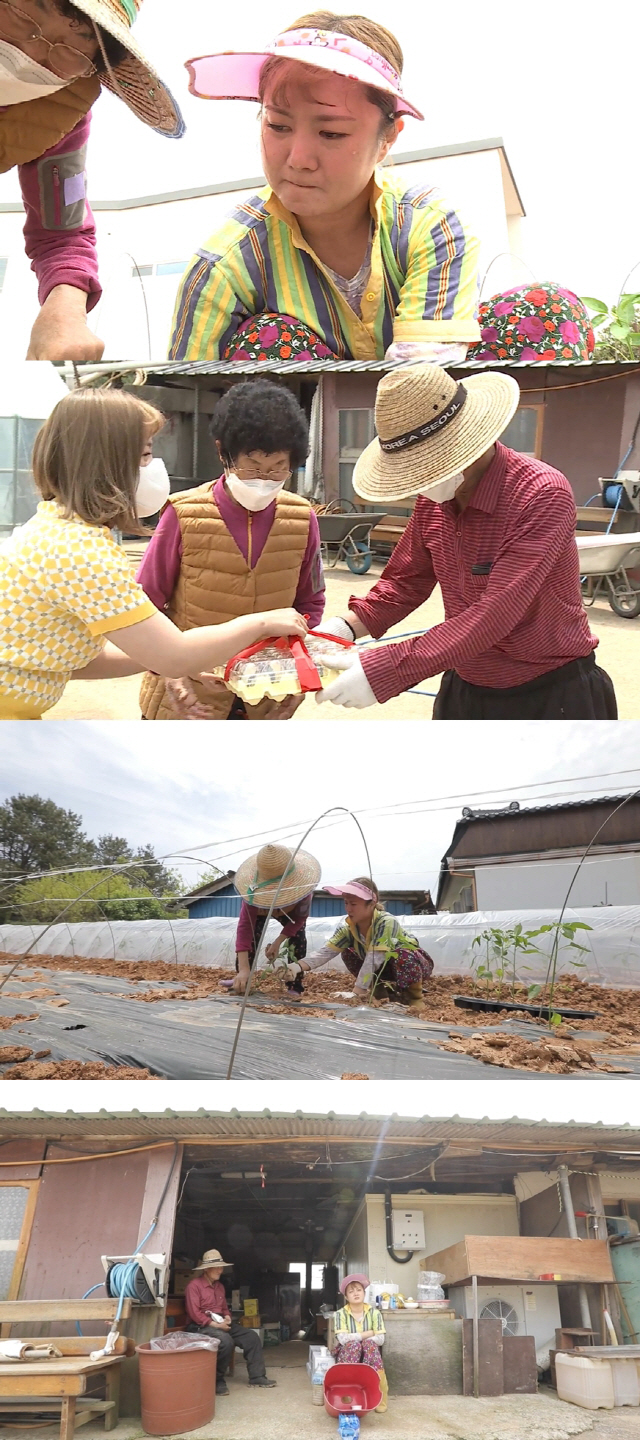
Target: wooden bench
{"type": "Point", "coordinates": [59, 1386]}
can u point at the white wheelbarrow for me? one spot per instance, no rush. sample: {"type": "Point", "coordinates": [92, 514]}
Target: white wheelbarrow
{"type": "Point", "coordinates": [610, 567]}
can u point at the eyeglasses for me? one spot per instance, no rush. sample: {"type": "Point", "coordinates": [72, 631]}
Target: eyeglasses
{"type": "Point", "coordinates": [277, 474]}
{"type": "Point", "coordinates": [67, 63]}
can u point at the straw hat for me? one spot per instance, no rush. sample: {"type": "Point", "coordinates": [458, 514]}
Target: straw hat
{"type": "Point", "coordinates": [258, 879]}
{"type": "Point", "coordinates": [212, 1260]}
{"type": "Point", "coordinates": [431, 428]}
{"type": "Point", "coordinates": [134, 80]}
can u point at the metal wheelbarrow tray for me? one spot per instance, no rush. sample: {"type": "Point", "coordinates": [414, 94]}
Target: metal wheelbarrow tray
{"type": "Point", "coordinates": [610, 567]}
{"type": "Point", "coordinates": [352, 536]}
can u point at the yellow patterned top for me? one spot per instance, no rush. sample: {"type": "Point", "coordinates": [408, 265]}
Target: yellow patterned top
{"type": "Point", "coordinates": [63, 585]}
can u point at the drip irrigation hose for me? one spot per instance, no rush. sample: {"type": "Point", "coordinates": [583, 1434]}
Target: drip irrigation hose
{"type": "Point", "coordinates": [333, 809]}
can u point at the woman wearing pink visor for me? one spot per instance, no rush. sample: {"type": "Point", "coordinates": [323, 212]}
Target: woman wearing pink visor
{"type": "Point", "coordinates": [385, 960]}
{"type": "Point", "coordinates": [369, 264]}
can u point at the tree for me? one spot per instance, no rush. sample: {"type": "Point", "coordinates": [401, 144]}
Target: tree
{"type": "Point", "coordinates": [158, 878]}
{"type": "Point", "coordinates": [111, 897]}
{"type": "Point", "coordinates": [36, 835]}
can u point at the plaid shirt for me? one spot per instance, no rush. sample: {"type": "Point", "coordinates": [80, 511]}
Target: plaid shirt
{"type": "Point", "coordinates": [509, 573]}
{"type": "Point", "coordinates": [422, 286]}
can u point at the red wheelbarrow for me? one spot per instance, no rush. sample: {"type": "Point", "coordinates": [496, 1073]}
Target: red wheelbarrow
{"type": "Point", "coordinates": [351, 1389]}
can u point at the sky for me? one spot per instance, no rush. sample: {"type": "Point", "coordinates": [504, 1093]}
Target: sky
{"type": "Point", "coordinates": [168, 785]}
{"type": "Point", "coordinates": [553, 1100]}
{"type": "Point", "coordinates": [550, 79]}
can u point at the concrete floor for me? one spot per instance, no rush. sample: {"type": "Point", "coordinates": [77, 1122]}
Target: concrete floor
{"type": "Point", "coordinates": [118, 699]}
{"type": "Point", "coordinates": [287, 1413]}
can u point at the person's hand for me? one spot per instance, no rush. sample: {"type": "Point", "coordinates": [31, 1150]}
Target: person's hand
{"type": "Point", "coordinates": [361, 991]}
{"type": "Point", "coordinates": [240, 984]}
{"type": "Point", "coordinates": [60, 331]}
{"type": "Point", "coordinates": [184, 701]}
{"type": "Point", "coordinates": [336, 626]}
{"type": "Point", "coordinates": [285, 622]}
{"type": "Point", "coordinates": [282, 709]}
{"type": "Point", "coordinates": [226, 1324]}
{"type": "Point", "coordinates": [272, 950]}
{"type": "Point", "coordinates": [351, 689]}
{"type": "Point", "coordinates": [213, 684]}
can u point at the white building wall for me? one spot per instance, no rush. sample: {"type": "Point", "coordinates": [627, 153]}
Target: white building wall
{"type": "Point", "coordinates": [447, 1219]}
{"type": "Point", "coordinates": [153, 234]}
{"type": "Point", "coordinates": [356, 1245]}
{"type": "Point", "coordinates": [528, 885]}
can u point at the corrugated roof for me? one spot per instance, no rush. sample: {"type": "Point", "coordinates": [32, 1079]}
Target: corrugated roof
{"type": "Point", "coordinates": [532, 1135]}
{"type": "Point", "coordinates": [317, 367]}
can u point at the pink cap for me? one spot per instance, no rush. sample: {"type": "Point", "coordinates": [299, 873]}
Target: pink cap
{"type": "Point", "coordinates": [353, 888]}
{"type": "Point", "coordinates": [362, 1280]}
{"type": "Point", "coordinates": [235, 75]}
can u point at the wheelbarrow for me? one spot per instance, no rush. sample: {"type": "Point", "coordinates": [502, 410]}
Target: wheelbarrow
{"type": "Point", "coordinates": [351, 1389]}
{"type": "Point", "coordinates": [610, 567]}
{"type": "Point", "coordinates": [347, 537]}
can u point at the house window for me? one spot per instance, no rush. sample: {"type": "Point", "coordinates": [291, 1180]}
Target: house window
{"type": "Point", "coordinates": [18, 494]}
{"type": "Point", "coordinates": [356, 430]}
{"type": "Point", "coordinates": [317, 1274]}
{"type": "Point", "coordinates": [170, 267]}
{"type": "Point", "coordinates": [3, 271]}
{"type": "Point", "coordinates": [524, 432]}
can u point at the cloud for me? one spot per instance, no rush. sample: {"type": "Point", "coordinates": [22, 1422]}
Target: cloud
{"type": "Point", "coordinates": [181, 786]}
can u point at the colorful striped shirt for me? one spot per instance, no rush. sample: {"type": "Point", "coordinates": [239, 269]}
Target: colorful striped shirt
{"type": "Point", "coordinates": [346, 1324]}
{"type": "Point", "coordinates": [423, 284]}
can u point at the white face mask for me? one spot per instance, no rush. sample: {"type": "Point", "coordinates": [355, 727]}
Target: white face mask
{"type": "Point", "coordinates": [22, 79]}
{"type": "Point", "coordinates": [152, 489]}
{"type": "Point", "coordinates": [253, 494]}
{"type": "Point", "coordinates": [442, 490]}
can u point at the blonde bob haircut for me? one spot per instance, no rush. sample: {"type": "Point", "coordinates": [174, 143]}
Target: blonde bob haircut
{"type": "Point", "coordinates": [87, 456]}
{"type": "Point", "coordinates": [276, 73]}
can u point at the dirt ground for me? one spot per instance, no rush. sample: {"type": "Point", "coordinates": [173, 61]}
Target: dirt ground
{"type": "Point", "coordinates": [118, 699]}
{"type": "Point", "coordinates": [573, 1047]}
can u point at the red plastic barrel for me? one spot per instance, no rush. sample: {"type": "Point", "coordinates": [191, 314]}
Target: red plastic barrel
{"type": "Point", "coordinates": [351, 1388]}
{"type": "Point", "coordinates": [177, 1389]}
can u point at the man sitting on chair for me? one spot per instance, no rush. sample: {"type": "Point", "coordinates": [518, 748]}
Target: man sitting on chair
{"type": "Point", "coordinates": [206, 1305]}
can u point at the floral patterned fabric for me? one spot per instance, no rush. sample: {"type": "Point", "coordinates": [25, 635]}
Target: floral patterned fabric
{"type": "Point", "coordinates": [275, 337]}
{"type": "Point", "coordinates": [536, 323]}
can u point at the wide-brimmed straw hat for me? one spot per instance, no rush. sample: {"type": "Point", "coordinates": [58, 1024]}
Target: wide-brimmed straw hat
{"type": "Point", "coordinates": [235, 75]}
{"type": "Point", "coordinates": [431, 428]}
{"type": "Point", "coordinates": [258, 878]}
{"type": "Point", "coordinates": [134, 80]}
{"type": "Point", "coordinates": [212, 1260]}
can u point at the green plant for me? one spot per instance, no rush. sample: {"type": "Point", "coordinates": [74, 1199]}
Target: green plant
{"type": "Point", "coordinates": [616, 328]}
{"type": "Point", "coordinates": [503, 950]}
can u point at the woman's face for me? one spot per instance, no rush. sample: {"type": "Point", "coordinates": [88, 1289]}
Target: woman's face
{"type": "Point", "coordinates": [359, 911]}
{"type": "Point", "coordinates": [75, 31]}
{"type": "Point", "coordinates": [320, 142]}
{"type": "Point", "coordinates": [354, 1293]}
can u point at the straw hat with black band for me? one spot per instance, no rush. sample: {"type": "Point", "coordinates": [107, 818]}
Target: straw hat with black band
{"type": "Point", "coordinates": [212, 1260]}
{"type": "Point", "coordinates": [273, 871]}
{"type": "Point", "coordinates": [133, 79]}
{"type": "Point", "coordinates": [431, 428]}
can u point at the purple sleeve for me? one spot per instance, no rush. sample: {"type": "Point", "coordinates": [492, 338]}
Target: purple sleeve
{"type": "Point", "coordinates": [158, 573]}
{"type": "Point", "coordinates": [309, 599]}
{"type": "Point", "coordinates": [60, 233]}
{"type": "Point", "coordinates": [300, 915]}
{"type": "Point", "coordinates": [244, 932]}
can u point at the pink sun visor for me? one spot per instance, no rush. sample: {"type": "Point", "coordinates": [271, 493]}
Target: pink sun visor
{"type": "Point", "coordinates": [234, 75]}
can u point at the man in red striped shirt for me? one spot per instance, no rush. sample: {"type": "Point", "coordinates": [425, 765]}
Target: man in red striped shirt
{"type": "Point", "coordinates": [496, 530]}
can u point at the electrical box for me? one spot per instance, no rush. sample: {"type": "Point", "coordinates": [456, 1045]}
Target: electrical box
{"type": "Point", "coordinates": [408, 1229]}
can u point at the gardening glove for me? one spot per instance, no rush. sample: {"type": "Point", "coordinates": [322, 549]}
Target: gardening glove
{"type": "Point", "coordinates": [293, 970]}
{"type": "Point", "coordinates": [336, 626]}
{"type": "Point", "coordinates": [351, 689]}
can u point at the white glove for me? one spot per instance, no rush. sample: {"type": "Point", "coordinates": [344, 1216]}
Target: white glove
{"type": "Point", "coordinates": [336, 626]}
{"type": "Point", "coordinates": [352, 688]}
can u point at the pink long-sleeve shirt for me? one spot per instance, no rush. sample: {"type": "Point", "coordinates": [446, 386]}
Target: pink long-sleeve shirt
{"type": "Point", "coordinates": [200, 1296]}
{"type": "Point", "coordinates": [160, 568]}
{"type": "Point", "coordinates": [60, 233]}
{"type": "Point", "coordinates": [295, 918]}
